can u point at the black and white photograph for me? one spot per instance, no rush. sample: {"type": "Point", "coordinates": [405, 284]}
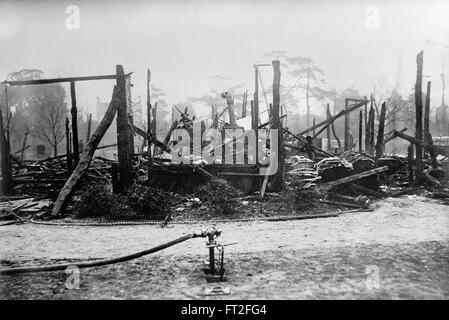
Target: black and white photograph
{"type": "Point", "coordinates": [224, 154]}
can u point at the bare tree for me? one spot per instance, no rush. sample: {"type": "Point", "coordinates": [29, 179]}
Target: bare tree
{"type": "Point", "coordinates": [49, 113]}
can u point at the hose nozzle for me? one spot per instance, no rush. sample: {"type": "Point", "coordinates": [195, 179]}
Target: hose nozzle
{"type": "Point", "coordinates": [211, 231]}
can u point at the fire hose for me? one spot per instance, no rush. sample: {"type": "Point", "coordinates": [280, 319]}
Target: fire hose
{"type": "Point", "coordinates": [210, 232]}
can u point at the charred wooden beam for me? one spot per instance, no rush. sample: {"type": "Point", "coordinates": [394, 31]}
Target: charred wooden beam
{"type": "Point", "coordinates": [380, 132]}
{"type": "Point", "coordinates": [332, 119]}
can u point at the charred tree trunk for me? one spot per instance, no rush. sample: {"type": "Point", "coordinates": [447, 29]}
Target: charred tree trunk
{"type": "Point", "coordinates": [427, 114]}
{"type": "Point", "coordinates": [418, 109]}
{"type": "Point", "coordinates": [6, 182]}
{"type": "Point", "coordinates": [124, 165]}
{"type": "Point", "coordinates": [129, 111]}
{"type": "Point", "coordinates": [278, 183]}
{"type": "Point", "coordinates": [366, 126]}
{"type": "Point", "coordinates": [360, 130]}
{"type": "Point", "coordinates": [74, 113]}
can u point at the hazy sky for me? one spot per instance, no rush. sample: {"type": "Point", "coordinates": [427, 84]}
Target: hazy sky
{"type": "Point", "coordinates": [185, 43]}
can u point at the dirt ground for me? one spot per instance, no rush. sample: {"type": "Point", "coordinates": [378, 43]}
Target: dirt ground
{"type": "Point", "coordinates": [398, 251]}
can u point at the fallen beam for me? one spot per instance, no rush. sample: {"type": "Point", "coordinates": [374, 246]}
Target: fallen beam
{"type": "Point", "coordinates": [86, 156]}
{"type": "Point", "coordinates": [391, 136]}
{"type": "Point", "coordinates": [436, 149]}
{"type": "Point", "coordinates": [59, 80]}
{"type": "Point", "coordinates": [354, 177]}
{"type": "Point", "coordinates": [333, 118]}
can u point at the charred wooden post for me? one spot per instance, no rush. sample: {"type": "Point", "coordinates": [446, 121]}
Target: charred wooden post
{"type": "Point", "coordinates": [313, 124]}
{"type": "Point", "coordinates": [410, 164]}
{"type": "Point", "coordinates": [70, 146]}
{"type": "Point", "coordinates": [427, 114]}
{"type": "Point", "coordinates": [67, 144]}
{"type": "Point", "coordinates": [368, 128]}
{"type": "Point", "coordinates": [253, 116]}
{"type": "Point", "coordinates": [244, 103]}
{"type": "Point", "coordinates": [371, 129]}
{"type": "Point", "coordinates": [360, 130]}
{"type": "Point", "coordinates": [366, 125]}
{"type": "Point", "coordinates": [418, 109]}
{"type": "Point", "coordinates": [8, 118]}
{"type": "Point", "coordinates": [87, 155]}
{"type": "Point", "coordinates": [130, 116]}
{"type": "Point", "coordinates": [153, 122]}
{"type": "Point", "coordinates": [328, 129]}
{"type": "Point", "coordinates": [278, 182]}
{"type": "Point", "coordinates": [89, 126]}
{"type": "Point", "coordinates": [256, 96]}
{"type": "Point", "coordinates": [6, 182]}
{"type": "Point", "coordinates": [347, 146]}
{"type": "Point", "coordinates": [380, 132]}
{"type": "Point", "coordinates": [74, 113]}
{"type": "Point", "coordinates": [124, 165]}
